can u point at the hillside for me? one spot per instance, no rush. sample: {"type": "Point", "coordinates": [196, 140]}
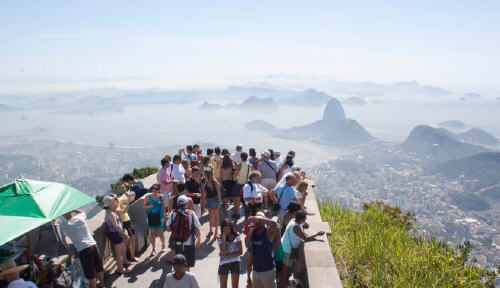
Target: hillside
{"type": "Point", "coordinates": [479, 136]}
{"type": "Point", "coordinates": [260, 125]}
{"type": "Point", "coordinates": [484, 167]}
{"type": "Point", "coordinates": [377, 248]}
{"type": "Point", "coordinates": [438, 144]}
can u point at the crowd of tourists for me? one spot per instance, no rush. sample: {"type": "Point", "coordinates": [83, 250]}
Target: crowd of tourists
{"type": "Point", "coordinates": [191, 184]}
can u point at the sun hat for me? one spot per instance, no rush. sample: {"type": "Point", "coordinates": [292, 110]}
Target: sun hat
{"type": "Point", "coordinates": [108, 201]}
{"type": "Point", "coordinates": [266, 154]}
{"type": "Point", "coordinates": [179, 259]}
{"type": "Point", "coordinates": [9, 267]}
{"type": "Point", "coordinates": [182, 200]}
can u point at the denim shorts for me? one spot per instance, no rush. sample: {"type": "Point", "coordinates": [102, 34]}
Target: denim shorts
{"type": "Point", "coordinates": [212, 202]}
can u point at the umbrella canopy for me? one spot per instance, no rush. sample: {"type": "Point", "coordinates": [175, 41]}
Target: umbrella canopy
{"type": "Point", "coordinates": [27, 204]}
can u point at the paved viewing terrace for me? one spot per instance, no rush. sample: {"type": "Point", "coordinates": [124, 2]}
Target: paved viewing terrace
{"type": "Point", "coordinates": [316, 265]}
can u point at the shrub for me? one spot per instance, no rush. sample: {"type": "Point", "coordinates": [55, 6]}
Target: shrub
{"type": "Point", "coordinates": [376, 247]}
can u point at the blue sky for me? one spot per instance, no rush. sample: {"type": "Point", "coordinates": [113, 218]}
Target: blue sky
{"type": "Point", "coordinates": [167, 44]}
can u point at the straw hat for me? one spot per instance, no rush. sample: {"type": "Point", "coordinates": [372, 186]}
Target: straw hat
{"type": "Point", "coordinates": [9, 267]}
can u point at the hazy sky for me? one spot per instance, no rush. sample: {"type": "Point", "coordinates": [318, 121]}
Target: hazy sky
{"type": "Point", "coordinates": [55, 44]}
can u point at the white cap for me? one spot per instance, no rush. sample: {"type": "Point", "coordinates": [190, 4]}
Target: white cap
{"type": "Point", "coordinates": [266, 154]}
{"type": "Point", "coordinates": [182, 200]}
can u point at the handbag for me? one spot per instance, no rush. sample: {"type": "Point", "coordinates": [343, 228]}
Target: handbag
{"type": "Point", "coordinates": [294, 254]}
{"type": "Point", "coordinates": [277, 206]}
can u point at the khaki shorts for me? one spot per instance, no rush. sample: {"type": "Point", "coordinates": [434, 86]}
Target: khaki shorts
{"type": "Point", "coordinates": [268, 183]}
{"type": "Point", "coordinates": [266, 279]}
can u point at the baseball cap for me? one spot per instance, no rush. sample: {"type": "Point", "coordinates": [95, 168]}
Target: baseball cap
{"type": "Point", "coordinates": [182, 200]}
{"type": "Point", "coordinates": [179, 259]}
{"type": "Point", "coordinates": [266, 154]}
{"type": "Point", "coordinates": [261, 214]}
{"type": "Point", "coordinates": [277, 153]}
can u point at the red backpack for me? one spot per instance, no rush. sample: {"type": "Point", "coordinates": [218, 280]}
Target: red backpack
{"type": "Point", "coordinates": [180, 226]}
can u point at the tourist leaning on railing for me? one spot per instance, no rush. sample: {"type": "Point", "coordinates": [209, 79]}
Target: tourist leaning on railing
{"type": "Point", "coordinates": [116, 233]}
{"type": "Point", "coordinates": [294, 234]}
{"type": "Point", "coordinates": [75, 227]}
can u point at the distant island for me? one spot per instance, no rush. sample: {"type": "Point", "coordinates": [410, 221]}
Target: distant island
{"type": "Point", "coordinates": [355, 101]}
{"type": "Point", "coordinates": [252, 103]}
{"type": "Point", "coordinates": [452, 124]}
{"type": "Point", "coordinates": [260, 125]}
{"type": "Point", "coordinates": [472, 95]}
{"type": "Point", "coordinates": [334, 128]}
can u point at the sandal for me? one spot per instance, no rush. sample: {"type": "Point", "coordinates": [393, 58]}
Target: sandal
{"type": "Point", "coordinates": [209, 234]}
{"type": "Point", "coordinates": [125, 271]}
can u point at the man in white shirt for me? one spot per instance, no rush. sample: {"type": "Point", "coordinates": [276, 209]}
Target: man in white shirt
{"type": "Point", "coordinates": [253, 192]}
{"type": "Point", "coordinates": [180, 278]}
{"type": "Point", "coordinates": [278, 160]}
{"type": "Point", "coordinates": [10, 272]}
{"type": "Point", "coordinates": [237, 155]}
{"type": "Point", "coordinates": [177, 170]}
{"type": "Point", "coordinates": [78, 232]}
{"type": "Point", "coordinates": [186, 248]}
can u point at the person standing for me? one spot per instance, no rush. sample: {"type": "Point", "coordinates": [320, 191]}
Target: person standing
{"type": "Point", "coordinates": [242, 172]}
{"type": "Point", "coordinates": [193, 186]}
{"type": "Point", "coordinates": [268, 171]}
{"type": "Point", "coordinates": [278, 160]}
{"type": "Point", "coordinates": [164, 178]}
{"type": "Point", "coordinates": [135, 185]}
{"type": "Point", "coordinates": [75, 227]}
{"type": "Point", "coordinates": [231, 249]}
{"type": "Point", "coordinates": [283, 195]}
{"type": "Point", "coordinates": [185, 228]}
{"type": "Point", "coordinates": [180, 278]}
{"type": "Point", "coordinates": [10, 272]}
{"type": "Point", "coordinates": [212, 194]}
{"type": "Point", "coordinates": [122, 210]}
{"type": "Point", "coordinates": [154, 204]}
{"type": "Point", "coordinates": [253, 158]}
{"type": "Point", "coordinates": [116, 233]}
{"type": "Point", "coordinates": [252, 191]}
{"type": "Point", "coordinates": [236, 156]}
{"type": "Point", "coordinates": [177, 171]}
{"type": "Point", "coordinates": [217, 162]}
{"type": "Point", "coordinates": [227, 175]}
{"type": "Point", "coordinates": [262, 243]}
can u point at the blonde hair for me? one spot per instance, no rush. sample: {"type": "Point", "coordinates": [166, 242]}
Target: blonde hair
{"type": "Point", "coordinates": [185, 163]}
{"type": "Point", "coordinates": [297, 175]}
{"type": "Point", "coordinates": [302, 185]}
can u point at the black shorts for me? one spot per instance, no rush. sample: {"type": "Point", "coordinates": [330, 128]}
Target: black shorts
{"type": "Point", "coordinates": [129, 227]}
{"type": "Point", "coordinates": [231, 267]}
{"type": "Point", "coordinates": [237, 190]}
{"type": "Point", "coordinates": [228, 186]}
{"type": "Point", "coordinates": [188, 252]}
{"type": "Point", "coordinates": [91, 261]}
{"type": "Point", "coordinates": [115, 237]}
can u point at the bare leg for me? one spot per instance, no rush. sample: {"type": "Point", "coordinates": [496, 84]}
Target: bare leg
{"type": "Point", "coordinates": [131, 248]}
{"type": "Point", "coordinates": [162, 238]}
{"type": "Point", "coordinates": [119, 256]}
{"type": "Point", "coordinates": [210, 220]}
{"type": "Point", "coordinates": [152, 238]}
{"type": "Point", "coordinates": [235, 279]}
{"type": "Point", "coordinates": [93, 283]}
{"type": "Point", "coordinates": [286, 275]}
{"type": "Point", "coordinates": [236, 201]}
{"type": "Point", "coordinates": [100, 276]}
{"type": "Point", "coordinates": [216, 221]}
{"type": "Point", "coordinates": [223, 280]}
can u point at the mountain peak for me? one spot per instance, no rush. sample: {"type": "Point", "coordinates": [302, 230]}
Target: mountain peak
{"type": "Point", "coordinates": [334, 111]}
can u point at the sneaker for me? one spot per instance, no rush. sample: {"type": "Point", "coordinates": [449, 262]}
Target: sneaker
{"type": "Point", "coordinates": [153, 253]}
{"type": "Point", "coordinates": [163, 249]}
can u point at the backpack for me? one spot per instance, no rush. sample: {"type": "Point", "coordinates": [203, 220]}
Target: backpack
{"type": "Point", "coordinates": [180, 226]}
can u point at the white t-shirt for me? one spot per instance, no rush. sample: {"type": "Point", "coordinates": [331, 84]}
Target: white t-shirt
{"type": "Point", "coordinates": [279, 162]}
{"type": "Point", "coordinates": [21, 283]}
{"type": "Point", "coordinates": [256, 193]}
{"type": "Point", "coordinates": [290, 239]}
{"type": "Point", "coordinates": [77, 230]}
{"type": "Point", "coordinates": [177, 172]}
{"type": "Point", "coordinates": [236, 157]}
{"type": "Point", "coordinates": [193, 219]}
{"type": "Point", "coordinates": [231, 247]}
{"type": "Point", "coordinates": [187, 281]}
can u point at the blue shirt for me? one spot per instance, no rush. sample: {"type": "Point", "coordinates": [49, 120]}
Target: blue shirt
{"type": "Point", "coordinates": [287, 193]}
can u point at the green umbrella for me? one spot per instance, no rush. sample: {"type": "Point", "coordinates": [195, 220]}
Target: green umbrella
{"type": "Point", "coordinates": [28, 204]}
